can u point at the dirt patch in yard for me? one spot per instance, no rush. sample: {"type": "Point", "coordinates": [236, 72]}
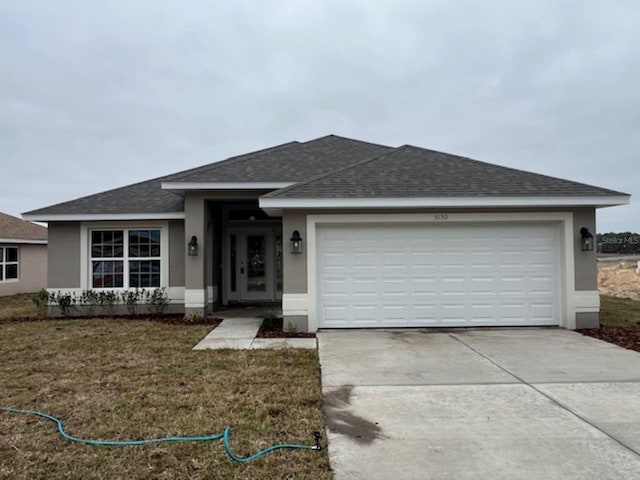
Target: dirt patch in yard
{"type": "Point", "coordinates": [619, 280]}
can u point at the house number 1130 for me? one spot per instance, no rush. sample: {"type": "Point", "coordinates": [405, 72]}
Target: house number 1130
{"type": "Point", "coordinates": [440, 217]}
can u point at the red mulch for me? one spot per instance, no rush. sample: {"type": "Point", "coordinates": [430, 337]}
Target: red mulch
{"type": "Point", "coordinates": [626, 337]}
{"type": "Point", "coordinates": [279, 332]}
{"type": "Point", "coordinates": [169, 319]}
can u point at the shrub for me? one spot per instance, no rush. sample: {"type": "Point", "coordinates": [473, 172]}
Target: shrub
{"type": "Point", "coordinates": [41, 301]}
{"type": "Point", "coordinates": [157, 301]}
{"type": "Point", "coordinates": [131, 299]}
{"type": "Point", "coordinates": [66, 302]}
{"type": "Point", "coordinates": [89, 300]}
{"type": "Point", "coordinates": [108, 300]}
{"type": "Point", "coordinates": [270, 321]}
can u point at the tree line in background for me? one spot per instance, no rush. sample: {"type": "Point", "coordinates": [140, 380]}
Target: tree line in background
{"type": "Point", "coordinates": [624, 243]}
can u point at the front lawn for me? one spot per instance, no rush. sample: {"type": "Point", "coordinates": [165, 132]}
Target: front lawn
{"type": "Point", "coordinates": [619, 312]}
{"type": "Point", "coordinates": [17, 306]}
{"type": "Point", "coordinates": [619, 322]}
{"type": "Point", "coordinates": [119, 379]}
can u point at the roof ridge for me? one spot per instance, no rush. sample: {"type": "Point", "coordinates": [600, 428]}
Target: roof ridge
{"type": "Point", "coordinates": [347, 138]}
{"type": "Point", "coordinates": [275, 193]}
{"type": "Point", "coordinates": [236, 158]}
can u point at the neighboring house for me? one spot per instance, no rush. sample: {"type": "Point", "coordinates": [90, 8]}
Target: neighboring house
{"type": "Point", "coordinates": [345, 234]}
{"type": "Point", "coordinates": [23, 256]}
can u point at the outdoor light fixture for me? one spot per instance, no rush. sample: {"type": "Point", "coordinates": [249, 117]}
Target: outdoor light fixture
{"type": "Point", "coordinates": [296, 242]}
{"type": "Point", "coordinates": [586, 239]}
{"type": "Point", "coordinates": [193, 246]}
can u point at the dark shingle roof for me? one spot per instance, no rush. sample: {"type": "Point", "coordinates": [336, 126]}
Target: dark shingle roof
{"type": "Point", "coordinates": [417, 172]}
{"type": "Point", "coordinates": [334, 167]}
{"type": "Point", "coordinates": [143, 197]}
{"type": "Point", "coordinates": [292, 161]}
{"type": "Point", "coordinates": [17, 229]}
{"type": "Point", "coordinates": [297, 163]}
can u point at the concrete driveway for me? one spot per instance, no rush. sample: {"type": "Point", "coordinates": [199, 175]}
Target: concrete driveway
{"type": "Point", "coordinates": [480, 404]}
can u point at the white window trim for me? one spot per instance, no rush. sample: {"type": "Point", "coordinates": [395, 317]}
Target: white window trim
{"type": "Point", "coordinates": [568, 294]}
{"type": "Point", "coordinates": [3, 264]}
{"type": "Point", "coordinates": [85, 250]}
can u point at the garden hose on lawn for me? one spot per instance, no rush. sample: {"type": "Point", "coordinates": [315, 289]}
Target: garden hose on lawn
{"type": "Point", "coordinates": [224, 436]}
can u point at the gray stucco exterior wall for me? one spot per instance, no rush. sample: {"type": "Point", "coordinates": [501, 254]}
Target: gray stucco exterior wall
{"type": "Point", "coordinates": [64, 255]}
{"type": "Point", "coordinates": [32, 270]}
{"type": "Point", "coordinates": [294, 266]}
{"type": "Point", "coordinates": [586, 265]}
{"type": "Point", "coordinates": [177, 248]}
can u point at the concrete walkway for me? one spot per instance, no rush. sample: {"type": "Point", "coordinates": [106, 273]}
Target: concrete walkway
{"type": "Point", "coordinates": [240, 334]}
{"type": "Point", "coordinates": [480, 404]}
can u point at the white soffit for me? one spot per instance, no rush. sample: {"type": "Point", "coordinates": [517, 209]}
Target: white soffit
{"type": "Point", "coordinates": [413, 202]}
{"type": "Point", "coordinates": [23, 240]}
{"type": "Point", "coordinates": [183, 186]}
{"type": "Point", "coordinates": [93, 217]}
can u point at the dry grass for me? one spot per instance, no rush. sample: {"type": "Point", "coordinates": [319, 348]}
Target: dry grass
{"type": "Point", "coordinates": [117, 379]}
{"type": "Point", "coordinates": [619, 312]}
{"type": "Point", "coordinates": [17, 306]}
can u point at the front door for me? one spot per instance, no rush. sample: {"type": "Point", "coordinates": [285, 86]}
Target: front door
{"type": "Point", "coordinates": [254, 264]}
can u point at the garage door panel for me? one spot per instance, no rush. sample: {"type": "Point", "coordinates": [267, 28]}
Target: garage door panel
{"type": "Point", "coordinates": [434, 275]}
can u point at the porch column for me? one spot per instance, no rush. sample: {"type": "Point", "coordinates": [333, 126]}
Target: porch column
{"type": "Point", "coordinates": [195, 223]}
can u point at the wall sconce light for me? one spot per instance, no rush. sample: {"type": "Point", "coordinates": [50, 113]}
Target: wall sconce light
{"type": "Point", "coordinates": [586, 239]}
{"type": "Point", "coordinates": [296, 242]}
{"type": "Point", "coordinates": [193, 246]}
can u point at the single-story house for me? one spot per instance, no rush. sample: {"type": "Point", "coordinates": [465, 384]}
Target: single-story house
{"type": "Point", "coordinates": [344, 233]}
{"type": "Point", "coordinates": [23, 256]}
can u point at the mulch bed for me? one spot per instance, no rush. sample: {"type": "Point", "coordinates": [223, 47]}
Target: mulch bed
{"type": "Point", "coordinates": [626, 337]}
{"type": "Point", "coordinates": [278, 332]}
{"type": "Point", "coordinates": [169, 319]}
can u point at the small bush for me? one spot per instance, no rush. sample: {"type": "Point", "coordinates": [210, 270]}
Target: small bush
{"type": "Point", "coordinates": [270, 321]}
{"type": "Point", "coordinates": [157, 301]}
{"type": "Point", "coordinates": [66, 302]}
{"type": "Point", "coordinates": [131, 299]}
{"type": "Point", "coordinates": [89, 300]}
{"type": "Point", "coordinates": [41, 301]}
{"type": "Point", "coordinates": [108, 300]}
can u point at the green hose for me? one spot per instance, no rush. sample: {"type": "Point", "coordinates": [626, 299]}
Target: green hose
{"type": "Point", "coordinates": [224, 436]}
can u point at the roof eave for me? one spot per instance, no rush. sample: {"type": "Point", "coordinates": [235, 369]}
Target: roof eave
{"type": "Point", "coordinates": [93, 217]}
{"type": "Point", "coordinates": [181, 187]}
{"type": "Point", "coordinates": [273, 204]}
{"type": "Point", "coordinates": [24, 241]}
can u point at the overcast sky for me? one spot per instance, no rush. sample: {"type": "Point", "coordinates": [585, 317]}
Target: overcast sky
{"type": "Point", "coordinates": [99, 94]}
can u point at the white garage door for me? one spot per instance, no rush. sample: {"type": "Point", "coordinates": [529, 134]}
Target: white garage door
{"type": "Point", "coordinates": [437, 275]}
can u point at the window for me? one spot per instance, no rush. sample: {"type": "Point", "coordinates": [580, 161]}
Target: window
{"type": "Point", "coordinates": [8, 263]}
{"type": "Point", "coordinates": [125, 258]}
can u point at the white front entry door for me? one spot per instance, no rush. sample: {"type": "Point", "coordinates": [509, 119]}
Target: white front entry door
{"type": "Point", "coordinates": [438, 275]}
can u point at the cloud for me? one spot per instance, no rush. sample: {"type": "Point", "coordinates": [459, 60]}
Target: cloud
{"type": "Point", "coordinates": [95, 95]}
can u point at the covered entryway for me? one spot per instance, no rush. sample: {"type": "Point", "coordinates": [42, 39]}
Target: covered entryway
{"type": "Point", "coordinates": [471, 274]}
